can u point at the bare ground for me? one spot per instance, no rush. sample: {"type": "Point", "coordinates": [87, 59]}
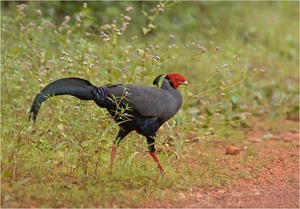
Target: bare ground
{"type": "Point", "coordinates": [276, 185]}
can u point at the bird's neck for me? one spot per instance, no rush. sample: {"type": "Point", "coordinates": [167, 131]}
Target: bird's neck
{"type": "Point", "coordinates": [167, 85]}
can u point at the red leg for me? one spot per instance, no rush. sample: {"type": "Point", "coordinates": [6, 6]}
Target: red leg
{"type": "Point", "coordinates": [157, 161]}
{"type": "Point", "coordinates": [120, 136]}
{"type": "Point", "coordinates": [113, 153]}
{"type": "Point", "coordinates": [112, 156]}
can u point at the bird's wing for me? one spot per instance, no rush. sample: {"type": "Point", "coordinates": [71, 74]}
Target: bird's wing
{"type": "Point", "coordinates": [147, 100]}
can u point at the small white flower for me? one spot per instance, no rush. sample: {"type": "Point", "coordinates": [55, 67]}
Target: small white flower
{"type": "Point", "coordinates": [127, 18]}
{"type": "Point", "coordinates": [157, 57]}
{"type": "Point", "coordinates": [225, 65]}
{"type": "Point", "coordinates": [67, 18]}
{"type": "Point", "coordinates": [128, 9]}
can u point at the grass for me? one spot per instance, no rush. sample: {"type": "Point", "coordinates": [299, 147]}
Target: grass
{"type": "Point", "coordinates": [63, 161]}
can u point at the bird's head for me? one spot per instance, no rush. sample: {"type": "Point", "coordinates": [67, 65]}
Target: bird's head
{"type": "Point", "coordinates": [175, 80]}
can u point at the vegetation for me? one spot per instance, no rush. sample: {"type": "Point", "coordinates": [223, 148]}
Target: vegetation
{"type": "Point", "coordinates": [240, 63]}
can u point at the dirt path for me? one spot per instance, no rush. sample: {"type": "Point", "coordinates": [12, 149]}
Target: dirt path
{"type": "Point", "coordinates": [275, 186]}
{"type": "Point", "coordinates": [283, 195]}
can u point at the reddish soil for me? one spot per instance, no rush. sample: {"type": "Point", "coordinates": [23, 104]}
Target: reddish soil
{"type": "Point", "coordinates": [275, 186]}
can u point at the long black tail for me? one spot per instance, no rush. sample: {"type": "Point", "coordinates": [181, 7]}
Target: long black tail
{"type": "Point", "coordinates": [77, 87]}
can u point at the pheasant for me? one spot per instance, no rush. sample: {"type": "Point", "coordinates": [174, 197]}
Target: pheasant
{"type": "Point", "coordinates": [141, 108]}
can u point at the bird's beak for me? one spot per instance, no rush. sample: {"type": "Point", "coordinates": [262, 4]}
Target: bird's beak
{"type": "Point", "coordinates": [184, 83]}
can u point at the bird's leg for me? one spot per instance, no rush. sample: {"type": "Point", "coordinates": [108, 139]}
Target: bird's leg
{"type": "Point", "coordinates": [113, 153]}
{"type": "Point", "coordinates": [120, 136]}
{"type": "Point", "coordinates": [157, 161]}
{"type": "Point", "coordinates": [151, 148]}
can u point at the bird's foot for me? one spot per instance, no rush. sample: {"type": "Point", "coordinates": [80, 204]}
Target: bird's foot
{"type": "Point", "coordinates": [162, 170]}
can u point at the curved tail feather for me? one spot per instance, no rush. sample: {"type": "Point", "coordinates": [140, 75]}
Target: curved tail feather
{"type": "Point", "coordinates": [77, 87]}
